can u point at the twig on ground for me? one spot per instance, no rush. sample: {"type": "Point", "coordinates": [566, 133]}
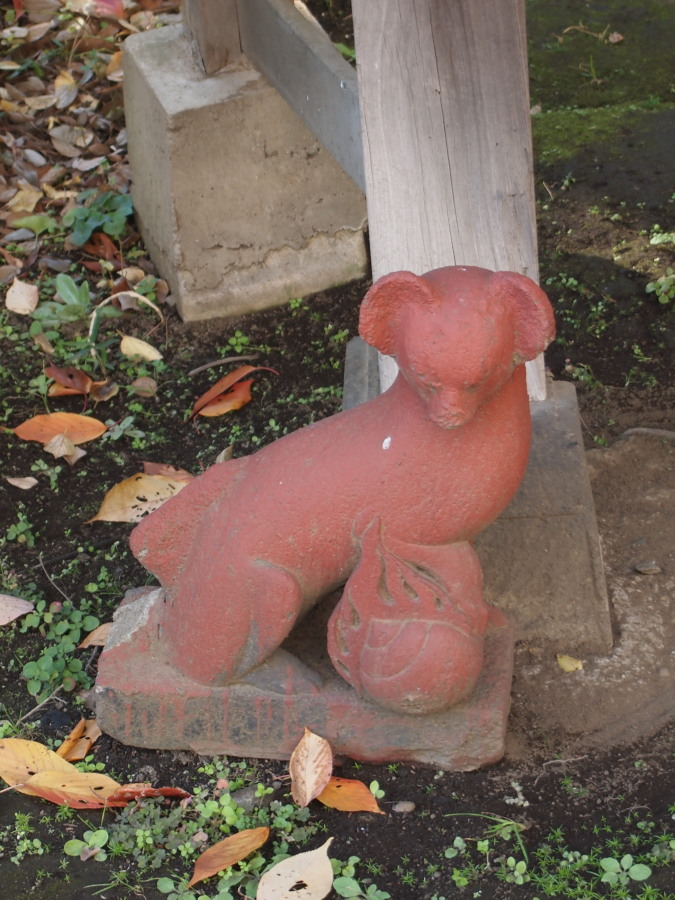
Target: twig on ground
{"type": "Point", "coordinates": [221, 362]}
{"type": "Point", "coordinates": [558, 762]}
{"type": "Point", "coordinates": [51, 580]}
{"type": "Point", "coordinates": [40, 705]}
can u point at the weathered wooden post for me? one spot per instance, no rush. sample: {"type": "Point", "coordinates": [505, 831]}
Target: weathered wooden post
{"type": "Point", "coordinates": [444, 94]}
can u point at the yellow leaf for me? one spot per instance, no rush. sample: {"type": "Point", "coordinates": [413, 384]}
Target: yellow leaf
{"type": "Point", "coordinates": [569, 663]}
{"type": "Point", "coordinates": [21, 759]}
{"type": "Point", "coordinates": [132, 499]}
{"type": "Point", "coordinates": [228, 852]}
{"type": "Point", "coordinates": [25, 200]}
{"type": "Point", "coordinates": [22, 298]}
{"type": "Point", "coordinates": [79, 790]}
{"type": "Point", "coordinates": [307, 876]}
{"type": "Point", "coordinates": [65, 89]}
{"type": "Point", "coordinates": [97, 637]}
{"type": "Point", "coordinates": [310, 767]}
{"type": "Point", "coordinates": [131, 346]}
{"type": "Point", "coordinates": [348, 795]}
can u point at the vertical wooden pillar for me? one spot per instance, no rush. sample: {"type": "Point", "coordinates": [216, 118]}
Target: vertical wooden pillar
{"type": "Point", "coordinates": [445, 113]}
{"type": "Point", "coordinates": [213, 30]}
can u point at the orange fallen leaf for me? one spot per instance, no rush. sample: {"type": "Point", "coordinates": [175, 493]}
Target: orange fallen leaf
{"type": "Point", "coordinates": [348, 795]}
{"type": "Point", "coordinates": [79, 741]}
{"type": "Point", "coordinates": [224, 384]}
{"type": "Point", "coordinates": [237, 396]}
{"type": "Point", "coordinates": [78, 790]}
{"type": "Point", "coordinates": [97, 637]}
{"type": "Point", "coordinates": [129, 792]}
{"type": "Point", "coordinates": [135, 497]}
{"type": "Point", "coordinates": [310, 767]}
{"type": "Point", "coordinates": [228, 852]}
{"type": "Point", "coordinates": [69, 380]}
{"type": "Point", "coordinates": [43, 428]}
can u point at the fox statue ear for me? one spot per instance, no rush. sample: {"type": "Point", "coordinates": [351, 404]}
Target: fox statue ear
{"type": "Point", "coordinates": [384, 304]}
{"type": "Point", "coordinates": [532, 313]}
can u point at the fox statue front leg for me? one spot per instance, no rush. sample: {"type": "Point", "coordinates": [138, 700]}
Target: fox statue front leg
{"type": "Point", "coordinates": [408, 632]}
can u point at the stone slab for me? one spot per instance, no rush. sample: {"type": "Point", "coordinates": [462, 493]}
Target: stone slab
{"type": "Point", "coordinates": [542, 559]}
{"type": "Point", "coordinates": [239, 205]}
{"type": "Point", "coordinates": [142, 701]}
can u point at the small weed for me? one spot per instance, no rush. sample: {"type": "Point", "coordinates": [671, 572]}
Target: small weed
{"type": "Point", "coordinates": [90, 847]}
{"type": "Point", "coordinates": [106, 211]}
{"type": "Point", "coordinates": [63, 627]}
{"type": "Point", "coordinates": [21, 531]}
{"type": "Point", "coordinates": [238, 342]}
{"type": "Point", "coordinates": [663, 287]}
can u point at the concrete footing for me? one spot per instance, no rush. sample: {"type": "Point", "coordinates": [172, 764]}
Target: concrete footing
{"type": "Point", "coordinates": [142, 700]}
{"type": "Point", "coordinates": [239, 205]}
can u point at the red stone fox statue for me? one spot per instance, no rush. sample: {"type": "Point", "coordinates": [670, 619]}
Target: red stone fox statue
{"type": "Point", "coordinates": [385, 498]}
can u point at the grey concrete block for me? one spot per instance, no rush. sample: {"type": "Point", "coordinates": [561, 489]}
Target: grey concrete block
{"type": "Point", "coordinates": [239, 205]}
{"type": "Point", "coordinates": [542, 561]}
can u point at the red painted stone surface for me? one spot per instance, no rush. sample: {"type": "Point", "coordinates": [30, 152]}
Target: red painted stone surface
{"type": "Point", "coordinates": [386, 497]}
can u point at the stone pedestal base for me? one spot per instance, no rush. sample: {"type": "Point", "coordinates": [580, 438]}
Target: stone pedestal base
{"type": "Point", "coordinates": [143, 701]}
{"type": "Point", "coordinates": [239, 205]}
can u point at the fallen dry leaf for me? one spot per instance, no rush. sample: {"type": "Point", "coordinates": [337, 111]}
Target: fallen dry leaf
{"type": "Point", "coordinates": [24, 484]}
{"type": "Point", "coordinates": [151, 468]}
{"type": "Point", "coordinates": [224, 384]}
{"type": "Point", "coordinates": [73, 380]}
{"type": "Point", "coordinates": [569, 663]}
{"type": "Point", "coordinates": [132, 499]}
{"type": "Point", "coordinates": [13, 608]}
{"type": "Point", "coordinates": [127, 792]}
{"type": "Point", "coordinates": [131, 346]}
{"type": "Point", "coordinates": [60, 445]}
{"type": "Point", "coordinates": [80, 740]}
{"type": "Point", "coordinates": [78, 790]}
{"type": "Point", "coordinates": [20, 759]}
{"type": "Point", "coordinates": [307, 876]}
{"type": "Point", "coordinates": [65, 90]}
{"type": "Point", "coordinates": [22, 297]}
{"type": "Point", "coordinates": [228, 852]}
{"type": "Point", "coordinates": [348, 795]}
{"type": "Point", "coordinates": [97, 637]}
{"type": "Point", "coordinates": [310, 767]}
{"type": "Point", "coordinates": [145, 386]}
{"type": "Point", "coordinates": [100, 391]}
{"type": "Point", "coordinates": [237, 396]}
{"type": "Point", "coordinates": [43, 428]}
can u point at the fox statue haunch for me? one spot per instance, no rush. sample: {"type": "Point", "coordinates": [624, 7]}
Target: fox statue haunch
{"type": "Point", "coordinates": [386, 497]}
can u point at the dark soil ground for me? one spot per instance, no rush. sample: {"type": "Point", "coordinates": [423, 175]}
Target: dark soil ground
{"type": "Point", "coordinates": [590, 756]}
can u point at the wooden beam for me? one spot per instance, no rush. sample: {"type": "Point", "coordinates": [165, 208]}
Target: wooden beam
{"type": "Point", "coordinates": [213, 30]}
{"type": "Point", "coordinates": [446, 132]}
{"type": "Point", "coordinates": [298, 59]}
